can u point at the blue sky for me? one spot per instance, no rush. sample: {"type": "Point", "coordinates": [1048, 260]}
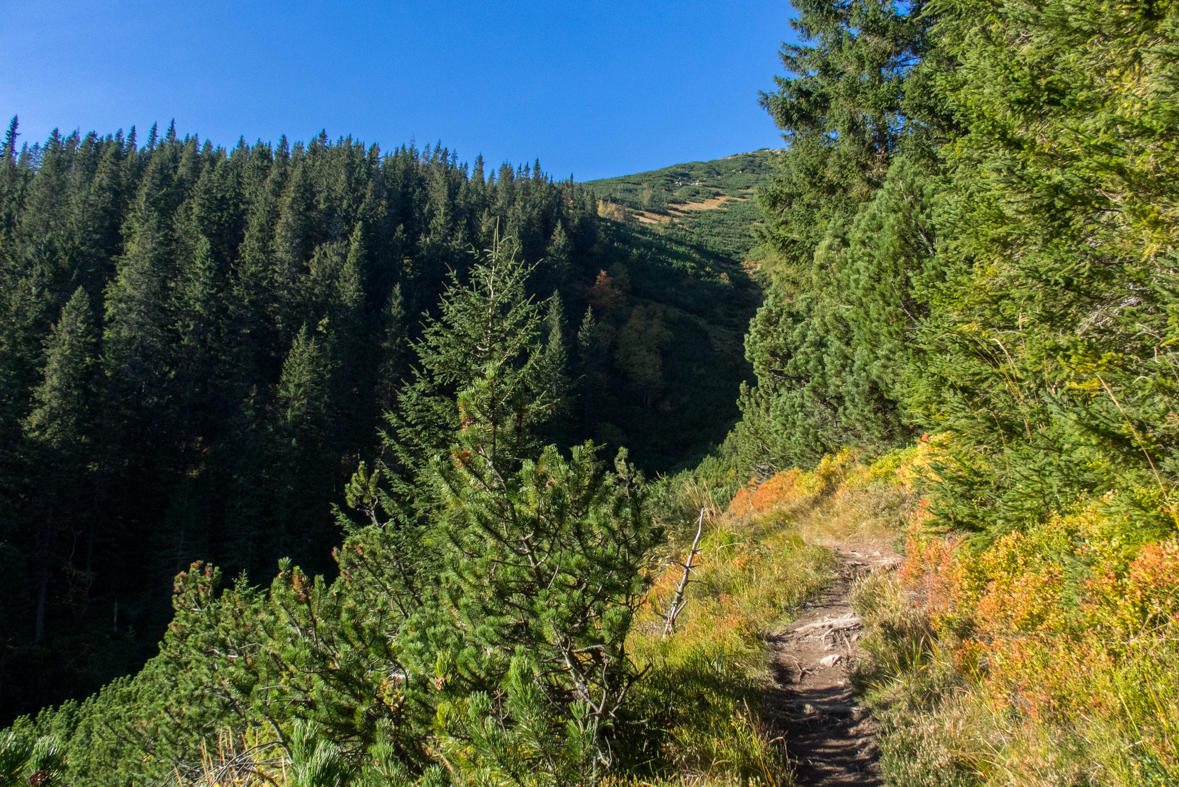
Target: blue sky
{"type": "Point", "coordinates": [593, 89]}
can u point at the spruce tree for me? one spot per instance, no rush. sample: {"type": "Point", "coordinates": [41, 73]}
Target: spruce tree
{"type": "Point", "coordinates": [558, 259]}
{"type": "Point", "coordinates": [393, 350]}
{"type": "Point", "coordinates": [489, 320]}
{"type": "Point", "coordinates": [301, 473]}
{"type": "Point", "coordinates": [59, 426]}
{"type": "Point", "coordinates": [63, 402]}
{"type": "Point", "coordinates": [842, 110]}
{"type": "Point", "coordinates": [592, 353]}
{"type": "Point", "coordinates": [555, 371]}
{"type": "Point", "coordinates": [10, 143]}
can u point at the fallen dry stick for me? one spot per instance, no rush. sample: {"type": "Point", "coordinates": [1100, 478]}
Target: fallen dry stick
{"type": "Point", "coordinates": [835, 625]}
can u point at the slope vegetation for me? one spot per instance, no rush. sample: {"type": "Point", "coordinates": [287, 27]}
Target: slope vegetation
{"type": "Point", "coordinates": [707, 204]}
{"type": "Point", "coordinates": [967, 350]}
{"type": "Point", "coordinates": [199, 346]}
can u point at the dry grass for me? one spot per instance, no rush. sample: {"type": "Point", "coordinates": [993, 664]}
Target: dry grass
{"type": "Point", "coordinates": [675, 211]}
{"type": "Point", "coordinates": [759, 561]}
{"type": "Point", "coordinates": [712, 203]}
{"type": "Point", "coordinates": [237, 761]}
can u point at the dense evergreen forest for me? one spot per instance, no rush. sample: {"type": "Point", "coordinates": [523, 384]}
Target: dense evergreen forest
{"type": "Point", "coordinates": [199, 346]}
{"type": "Point", "coordinates": [969, 246]}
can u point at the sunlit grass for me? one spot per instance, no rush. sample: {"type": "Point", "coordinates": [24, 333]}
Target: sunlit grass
{"type": "Point", "coordinates": [759, 562]}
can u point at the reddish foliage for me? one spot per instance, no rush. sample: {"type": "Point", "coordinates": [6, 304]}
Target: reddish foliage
{"type": "Point", "coordinates": [757, 499]}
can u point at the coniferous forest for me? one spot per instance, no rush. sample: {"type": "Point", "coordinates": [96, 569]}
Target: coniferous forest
{"type": "Point", "coordinates": [323, 465]}
{"type": "Point", "coordinates": [201, 346]}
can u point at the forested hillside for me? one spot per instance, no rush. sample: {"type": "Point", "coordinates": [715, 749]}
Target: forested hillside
{"type": "Point", "coordinates": [975, 236]}
{"type": "Point", "coordinates": [200, 345]}
{"type": "Point", "coordinates": [967, 345]}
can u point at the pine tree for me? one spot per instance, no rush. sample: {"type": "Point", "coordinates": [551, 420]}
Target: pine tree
{"type": "Point", "coordinates": [889, 261]}
{"type": "Point", "coordinates": [831, 346]}
{"type": "Point", "coordinates": [316, 762]}
{"type": "Point", "coordinates": [39, 762]}
{"type": "Point", "coordinates": [63, 402]}
{"type": "Point", "coordinates": [543, 565]}
{"type": "Point", "coordinates": [99, 205]}
{"type": "Point", "coordinates": [138, 302]}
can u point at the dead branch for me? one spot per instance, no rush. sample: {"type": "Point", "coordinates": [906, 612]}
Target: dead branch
{"type": "Point", "coordinates": [678, 602]}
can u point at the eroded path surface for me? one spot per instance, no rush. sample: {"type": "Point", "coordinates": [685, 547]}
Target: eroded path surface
{"type": "Point", "coordinates": [829, 736]}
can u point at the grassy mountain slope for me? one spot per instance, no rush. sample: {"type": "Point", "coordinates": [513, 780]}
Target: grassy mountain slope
{"type": "Point", "coordinates": [708, 203]}
{"type": "Point", "coordinates": [694, 181]}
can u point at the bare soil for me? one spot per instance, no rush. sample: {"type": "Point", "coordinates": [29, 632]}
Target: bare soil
{"type": "Point", "coordinates": [709, 204]}
{"type": "Point", "coordinates": [677, 211]}
{"type": "Point", "coordinates": [829, 736]}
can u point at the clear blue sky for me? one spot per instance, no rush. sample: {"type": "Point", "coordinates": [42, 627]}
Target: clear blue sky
{"type": "Point", "coordinates": [593, 89]}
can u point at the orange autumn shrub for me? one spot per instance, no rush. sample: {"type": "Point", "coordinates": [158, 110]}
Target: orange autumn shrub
{"type": "Point", "coordinates": [933, 574]}
{"type": "Point", "coordinates": [1052, 617]}
{"type": "Point", "coordinates": [1143, 597]}
{"type": "Point", "coordinates": [1018, 583]}
{"type": "Point", "coordinates": [835, 473]}
{"type": "Point", "coordinates": [759, 498]}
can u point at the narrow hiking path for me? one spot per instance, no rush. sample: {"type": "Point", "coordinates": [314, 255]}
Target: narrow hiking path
{"type": "Point", "coordinates": [829, 736]}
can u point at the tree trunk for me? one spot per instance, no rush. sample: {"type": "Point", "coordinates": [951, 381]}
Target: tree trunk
{"type": "Point", "coordinates": [39, 621]}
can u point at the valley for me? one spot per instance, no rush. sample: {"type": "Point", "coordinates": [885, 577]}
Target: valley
{"type": "Point", "coordinates": [324, 464]}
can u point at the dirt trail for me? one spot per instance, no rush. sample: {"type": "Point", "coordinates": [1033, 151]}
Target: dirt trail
{"type": "Point", "coordinates": [829, 736]}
